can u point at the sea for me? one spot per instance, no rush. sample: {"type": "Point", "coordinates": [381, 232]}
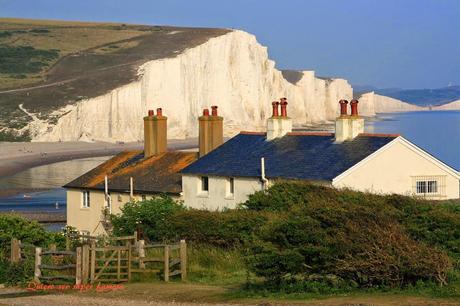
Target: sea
{"type": "Point", "coordinates": [437, 132]}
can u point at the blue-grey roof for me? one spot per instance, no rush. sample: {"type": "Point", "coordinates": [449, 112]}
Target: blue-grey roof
{"type": "Point", "coordinates": [294, 156]}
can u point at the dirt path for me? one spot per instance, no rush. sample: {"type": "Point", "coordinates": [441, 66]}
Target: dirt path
{"type": "Point", "coordinates": [195, 294]}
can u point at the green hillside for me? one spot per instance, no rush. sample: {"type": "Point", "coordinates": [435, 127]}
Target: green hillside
{"type": "Point", "coordinates": [48, 64]}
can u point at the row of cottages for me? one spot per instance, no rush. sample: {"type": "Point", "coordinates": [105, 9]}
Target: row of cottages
{"type": "Point", "coordinates": [221, 175]}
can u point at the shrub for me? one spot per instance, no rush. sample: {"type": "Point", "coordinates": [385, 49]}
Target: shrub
{"type": "Point", "coordinates": [149, 215]}
{"type": "Point", "coordinates": [17, 273]}
{"type": "Point", "coordinates": [353, 236]}
{"type": "Point", "coordinates": [226, 229]}
{"type": "Point", "coordinates": [163, 219]}
{"type": "Point", "coordinates": [25, 59]}
{"type": "Point", "coordinates": [14, 226]}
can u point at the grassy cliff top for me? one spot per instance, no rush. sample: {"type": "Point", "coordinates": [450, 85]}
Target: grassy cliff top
{"type": "Point", "coordinates": [48, 64]}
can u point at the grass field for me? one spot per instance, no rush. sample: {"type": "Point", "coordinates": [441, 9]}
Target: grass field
{"type": "Point", "coordinates": [45, 65]}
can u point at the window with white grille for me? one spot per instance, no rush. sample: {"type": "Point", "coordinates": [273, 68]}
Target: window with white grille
{"type": "Point", "coordinates": [85, 199]}
{"type": "Point", "coordinates": [429, 185]}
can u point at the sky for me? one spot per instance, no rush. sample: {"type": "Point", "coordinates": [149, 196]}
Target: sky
{"type": "Point", "coordinates": [383, 43]}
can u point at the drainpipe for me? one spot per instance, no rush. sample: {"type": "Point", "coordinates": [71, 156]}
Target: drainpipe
{"type": "Point", "coordinates": [106, 192]}
{"type": "Point", "coordinates": [131, 188]}
{"type": "Point", "coordinates": [262, 172]}
{"type": "Point", "coordinates": [106, 187]}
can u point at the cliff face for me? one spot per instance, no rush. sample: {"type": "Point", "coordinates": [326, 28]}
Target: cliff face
{"type": "Point", "coordinates": [371, 103]}
{"type": "Point", "coordinates": [455, 105]}
{"type": "Point", "coordinates": [232, 71]}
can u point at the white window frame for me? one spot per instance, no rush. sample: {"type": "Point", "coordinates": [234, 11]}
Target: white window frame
{"type": "Point", "coordinates": [230, 188]}
{"type": "Point", "coordinates": [423, 185]}
{"type": "Point", "coordinates": [200, 186]}
{"type": "Point", "coordinates": [85, 199]}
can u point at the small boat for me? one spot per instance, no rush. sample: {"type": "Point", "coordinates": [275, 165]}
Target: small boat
{"type": "Point", "coordinates": [57, 205]}
{"type": "Point", "coordinates": [26, 196]}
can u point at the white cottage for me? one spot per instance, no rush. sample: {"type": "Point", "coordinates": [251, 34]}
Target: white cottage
{"type": "Point", "coordinates": [377, 163]}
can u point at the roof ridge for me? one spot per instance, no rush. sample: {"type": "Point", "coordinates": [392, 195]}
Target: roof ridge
{"type": "Point", "coordinates": [379, 135]}
{"type": "Point", "coordinates": [310, 134]}
{"type": "Point", "coordinates": [253, 133]}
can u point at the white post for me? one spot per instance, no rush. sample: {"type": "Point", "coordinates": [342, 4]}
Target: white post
{"type": "Point", "coordinates": [106, 187]}
{"type": "Point", "coordinates": [131, 188]}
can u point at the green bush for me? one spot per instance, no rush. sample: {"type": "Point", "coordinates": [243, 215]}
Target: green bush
{"type": "Point", "coordinates": [5, 34]}
{"type": "Point", "coordinates": [298, 235]}
{"type": "Point", "coordinates": [163, 219]}
{"type": "Point", "coordinates": [17, 273]}
{"type": "Point", "coordinates": [225, 229]}
{"type": "Point", "coordinates": [149, 215]}
{"type": "Point", "coordinates": [25, 59]}
{"type": "Point", "coordinates": [369, 240]}
{"type": "Point", "coordinates": [31, 232]}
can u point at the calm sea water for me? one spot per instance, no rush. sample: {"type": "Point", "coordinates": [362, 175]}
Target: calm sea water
{"type": "Point", "coordinates": [437, 132]}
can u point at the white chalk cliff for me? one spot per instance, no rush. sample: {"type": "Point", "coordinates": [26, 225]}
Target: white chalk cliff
{"type": "Point", "coordinates": [455, 105]}
{"type": "Point", "coordinates": [232, 71]}
{"type": "Point", "coordinates": [371, 103]}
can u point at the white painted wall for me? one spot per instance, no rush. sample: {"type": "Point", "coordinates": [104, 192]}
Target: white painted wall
{"type": "Point", "coordinates": [217, 198]}
{"type": "Point", "coordinates": [88, 219]}
{"type": "Point", "coordinates": [391, 170]}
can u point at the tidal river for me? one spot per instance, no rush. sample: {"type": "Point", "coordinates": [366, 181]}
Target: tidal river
{"type": "Point", "coordinates": [39, 189]}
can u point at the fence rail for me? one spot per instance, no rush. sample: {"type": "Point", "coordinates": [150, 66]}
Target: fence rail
{"type": "Point", "coordinates": [90, 263]}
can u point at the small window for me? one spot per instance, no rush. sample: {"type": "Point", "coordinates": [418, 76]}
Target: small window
{"type": "Point", "coordinates": [204, 183]}
{"type": "Point", "coordinates": [424, 187]}
{"type": "Point", "coordinates": [230, 187]}
{"type": "Point", "coordinates": [429, 186]}
{"type": "Point", "coordinates": [86, 199]}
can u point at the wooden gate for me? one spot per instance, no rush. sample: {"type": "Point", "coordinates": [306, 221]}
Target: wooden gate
{"type": "Point", "coordinates": [110, 263]}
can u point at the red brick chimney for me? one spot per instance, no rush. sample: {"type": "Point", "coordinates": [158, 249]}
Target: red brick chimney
{"type": "Point", "coordinates": [211, 131]}
{"type": "Point", "coordinates": [278, 126]}
{"type": "Point", "coordinates": [155, 133]}
{"type": "Point", "coordinates": [348, 127]}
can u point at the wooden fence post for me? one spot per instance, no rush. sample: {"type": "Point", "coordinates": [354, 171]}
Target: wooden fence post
{"type": "Point", "coordinates": [129, 261]}
{"type": "Point", "coordinates": [183, 259]}
{"type": "Point", "coordinates": [15, 250]}
{"type": "Point", "coordinates": [141, 251]}
{"type": "Point", "coordinates": [166, 263]}
{"type": "Point", "coordinates": [85, 264]}
{"type": "Point", "coordinates": [38, 262]}
{"type": "Point", "coordinates": [93, 260]}
{"type": "Point", "coordinates": [78, 266]}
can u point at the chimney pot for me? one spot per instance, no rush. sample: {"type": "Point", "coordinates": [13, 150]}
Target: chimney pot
{"type": "Point", "coordinates": [283, 107]}
{"type": "Point", "coordinates": [151, 113]}
{"type": "Point", "coordinates": [214, 110]}
{"type": "Point", "coordinates": [159, 112]}
{"type": "Point", "coordinates": [343, 107]}
{"type": "Point", "coordinates": [210, 134]}
{"type": "Point", "coordinates": [275, 106]}
{"type": "Point", "coordinates": [354, 107]}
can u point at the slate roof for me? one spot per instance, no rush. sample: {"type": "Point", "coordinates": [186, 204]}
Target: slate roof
{"type": "Point", "coordinates": [307, 156]}
{"type": "Point", "coordinates": [156, 174]}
